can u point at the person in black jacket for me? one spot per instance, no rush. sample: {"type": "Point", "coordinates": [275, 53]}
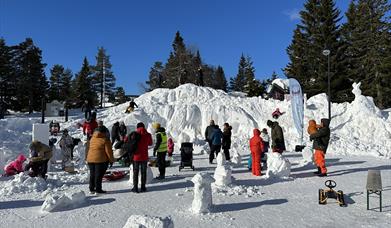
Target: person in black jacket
{"type": "Point", "coordinates": [208, 133]}
{"type": "Point", "coordinates": [278, 142]}
{"type": "Point", "coordinates": [122, 130]}
{"type": "Point", "coordinates": [321, 140]}
{"type": "Point", "coordinates": [227, 140]}
{"type": "Point", "coordinates": [115, 135]}
{"type": "Point", "coordinates": [87, 108]}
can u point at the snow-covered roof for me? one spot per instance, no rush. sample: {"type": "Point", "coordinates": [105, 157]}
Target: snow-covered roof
{"type": "Point", "coordinates": [283, 83]}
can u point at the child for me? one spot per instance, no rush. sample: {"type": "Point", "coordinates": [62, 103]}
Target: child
{"type": "Point", "coordinates": [256, 148]}
{"type": "Point", "coordinates": [312, 127]}
{"type": "Point", "coordinates": [66, 143]}
{"type": "Point", "coordinates": [15, 166]}
{"type": "Point", "coordinates": [170, 146]}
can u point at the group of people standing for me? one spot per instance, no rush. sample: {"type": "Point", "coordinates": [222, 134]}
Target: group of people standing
{"type": "Point", "coordinates": [218, 140]}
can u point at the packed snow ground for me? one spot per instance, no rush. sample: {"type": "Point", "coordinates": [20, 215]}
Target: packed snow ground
{"type": "Point", "coordinates": [359, 141]}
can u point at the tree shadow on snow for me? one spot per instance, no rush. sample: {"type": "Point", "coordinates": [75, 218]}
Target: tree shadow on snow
{"type": "Point", "coordinates": [20, 204]}
{"type": "Point", "coordinates": [345, 163]}
{"type": "Point", "coordinates": [344, 172]}
{"type": "Point", "coordinates": [247, 205]}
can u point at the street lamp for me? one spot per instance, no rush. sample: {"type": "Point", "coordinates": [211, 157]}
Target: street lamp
{"type": "Point", "coordinates": [326, 52]}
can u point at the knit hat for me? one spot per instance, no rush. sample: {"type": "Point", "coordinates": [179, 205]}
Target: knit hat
{"type": "Point", "coordinates": [140, 125]}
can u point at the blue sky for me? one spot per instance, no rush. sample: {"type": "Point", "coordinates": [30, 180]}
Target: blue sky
{"type": "Point", "coordinates": [138, 33]}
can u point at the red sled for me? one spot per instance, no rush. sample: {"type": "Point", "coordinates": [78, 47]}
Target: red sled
{"type": "Point", "coordinates": [114, 175]}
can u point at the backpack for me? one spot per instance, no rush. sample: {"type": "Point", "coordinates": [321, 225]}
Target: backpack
{"type": "Point", "coordinates": [130, 146]}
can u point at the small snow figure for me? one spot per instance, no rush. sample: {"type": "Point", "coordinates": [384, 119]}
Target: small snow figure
{"type": "Point", "coordinates": [202, 201]}
{"type": "Point", "coordinates": [222, 172]}
{"type": "Point", "coordinates": [277, 166]}
{"type": "Point", "coordinates": [236, 159]}
{"type": "Point", "coordinates": [356, 89]}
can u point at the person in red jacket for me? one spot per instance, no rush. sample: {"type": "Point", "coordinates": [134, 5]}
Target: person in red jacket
{"type": "Point", "coordinates": [140, 157]}
{"type": "Point", "coordinates": [15, 166]}
{"type": "Point", "coordinates": [89, 126]}
{"type": "Point", "coordinates": [256, 147]}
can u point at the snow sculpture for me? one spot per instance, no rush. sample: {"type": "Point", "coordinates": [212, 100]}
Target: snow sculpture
{"type": "Point", "coordinates": [307, 154]}
{"type": "Point", "coordinates": [149, 175]}
{"type": "Point", "coordinates": [148, 221]}
{"type": "Point", "coordinates": [222, 172]}
{"type": "Point", "coordinates": [202, 201]}
{"type": "Point", "coordinates": [356, 89]}
{"type": "Point", "coordinates": [236, 158]}
{"type": "Point", "coordinates": [277, 166]}
{"type": "Point", "coordinates": [56, 202]}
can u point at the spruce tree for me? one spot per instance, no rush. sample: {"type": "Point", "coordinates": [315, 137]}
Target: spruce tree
{"type": "Point", "coordinates": [239, 82]}
{"type": "Point", "coordinates": [83, 89]}
{"type": "Point", "coordinates": [120, 96]}
{"type": "Point", "coordinates": [55, 82]}
{"type": "Point", "coordinates": [31, 81]}
{"type": "Point", "coordinates": [156, 79]}
{"type": "Point", "coordinates": [65, 86]}
{"type": "Point", "coordinates": [103, 77]}
{"type": "Point", "coordinates": [367, 35]}
{"type": "Point", "coordinates": [7, 78]}
{"type": "Point", "coordinates": [220, 80]}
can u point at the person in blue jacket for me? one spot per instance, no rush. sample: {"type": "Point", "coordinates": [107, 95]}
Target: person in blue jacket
{"type": "Point", "coordinates": [216, 138]}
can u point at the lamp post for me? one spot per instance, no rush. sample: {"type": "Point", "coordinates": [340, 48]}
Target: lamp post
{"type": "Point", "coordinates": [326, 52]}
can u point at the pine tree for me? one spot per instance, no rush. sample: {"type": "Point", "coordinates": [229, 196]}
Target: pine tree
{"type": "Point", "coordinates": [239, 82]}
{"type": "Point", "coordinates": [31, 81]}
{"type": "Point", "coordinates": [120, 96]}
{"type": "Point", "coordinates": [367, 35]}
{"type": "Point", "coordinates": [220, 80]}
{"type": "Point", "coordinates": [318, 31]}
{"type": "Point", "coordinates": [82, 87]}
{"type": "Point", "coordinates": [55, 82]}
{"type": "Point", "coordinates": [65, 86]}
{"type": "Point", "coordinates": [7, 82]}
{"type": "Point", "coordinates": [103, 77]}
{"type": "Point", "coordinates": [156, 79]}
{"type": "Point", "coordinates": [252, 85]}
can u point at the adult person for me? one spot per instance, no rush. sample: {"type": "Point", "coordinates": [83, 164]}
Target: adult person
{"type": "Point", "coordinates": [66, 144]}
{"type": "Point", "coordinates": [131, 106]}
{"type": "Point", "coordinates": [40, 155]}
{"type": "Point", "coordinates": [216, 138]}
{"type": "Point", "coordinates": [160, 150]}
{"type": "Point", "coordinates": [122, 130]}
{"type": "Point", "coordinates": [321, 140]}
{"type": "Point", "coordinates": [208, 133]}
{"type": "Point", "coordinates": [226, 144]}
{"type": "Point", "coordinates": [278, 143]}
{"type": "Point", "coordinates": [115, 136]}
{"type": "Point", "coordinates": [87, 108]}
{"type": "Point", "coordinates": [99, 156]}
{"type": "Point", "coordinates": [140, 157]}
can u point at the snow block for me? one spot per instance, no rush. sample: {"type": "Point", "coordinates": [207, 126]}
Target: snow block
{"type": "Point", "coordinates": [140, 221]}
{"type": "Point", "coordinates": [202, 201]}
{"type": "Point", "coordinates": [277, 166]}
{"type": "Point", "coordinates": [149, 175]}
{"type": "Point", "coordinates": [57, 202]}
{"type": "Point", "coordinates": [223, 172]}
{"type": "Point", "coordinates": [41, 133]}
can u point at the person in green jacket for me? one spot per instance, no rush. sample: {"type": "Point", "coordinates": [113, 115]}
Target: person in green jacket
{"type": "Point", "coordinates": [160, 150]}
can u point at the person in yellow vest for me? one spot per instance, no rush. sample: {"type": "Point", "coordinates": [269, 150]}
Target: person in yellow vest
{"type": "Point", "coordinates": [160, 150]}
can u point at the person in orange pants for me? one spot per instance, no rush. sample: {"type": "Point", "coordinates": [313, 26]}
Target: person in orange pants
{"type": "Point", "coordinates": [321, 140]}
{"type": "Point", "coordinates": [256, 148]}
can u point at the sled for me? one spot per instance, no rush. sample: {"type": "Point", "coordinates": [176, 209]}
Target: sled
{"type": "Point", "coordinates": [331, 193]}
{"type": "Point", "coordinates": [114, 175]}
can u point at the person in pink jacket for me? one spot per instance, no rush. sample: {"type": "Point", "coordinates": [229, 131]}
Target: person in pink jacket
{"type": "Point", "coordinates": [170, 146]}
{"type": "Point", "coordinates": [15, 166]}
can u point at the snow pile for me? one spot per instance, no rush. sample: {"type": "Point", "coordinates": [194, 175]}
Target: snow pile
{"type": "Point", "coordinates": [240, 190]}
{"type": "Point", "coordinates": [141, 221]}
{"type": "Point", "coordinates": [62, 201]}
{"type": "Point", "coordinates": [223, 172]}
{"type": "Point", "coordinates": [23, 183]}
{"type": "Point", "coordinates": [277, 166]}
{"type": "Point", "coordinates": [202, 201]}
{"type": "Point", "coordinates": [149, 175]}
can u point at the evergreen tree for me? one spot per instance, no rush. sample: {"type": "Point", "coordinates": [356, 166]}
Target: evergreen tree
{"type": "Point", "coordinates": [103, 77]}
{"type": "Point", "coordinates": [368, 38]}
{"type": "Point", "coordinates": [31, 81]}
{"type": "Point", "coordinates": [220, 80]}
{"type": "Point", "coordinates": [65, 85]}
{"type": "Point", "coordinates": [7, 78]}
{"type": "Point", "coordinates": [55, 82]}
{"type": "Point", "coordinates": [120, 96]}
{"type": "Point", "coordinates": [318, 31]}
{"type": "Point", "coordinates": [156, 79]}
{"type": "Point", "coordinates": [239, 82]}
{"type": "Point", "coordinates": [252, 85]}
{"type": "Point", "coordinates": [83, 89]}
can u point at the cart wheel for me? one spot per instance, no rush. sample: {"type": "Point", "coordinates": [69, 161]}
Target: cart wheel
{"type": "Point", "coordinates": [322, 197]}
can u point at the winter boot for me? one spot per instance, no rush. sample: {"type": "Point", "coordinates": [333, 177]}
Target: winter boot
{"type": "Point", "coordinates": [318, 172]}
{"type": "Point", "coordinates": [322, 175]}
{"type": "Point", "coordinates": [135, 190]}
